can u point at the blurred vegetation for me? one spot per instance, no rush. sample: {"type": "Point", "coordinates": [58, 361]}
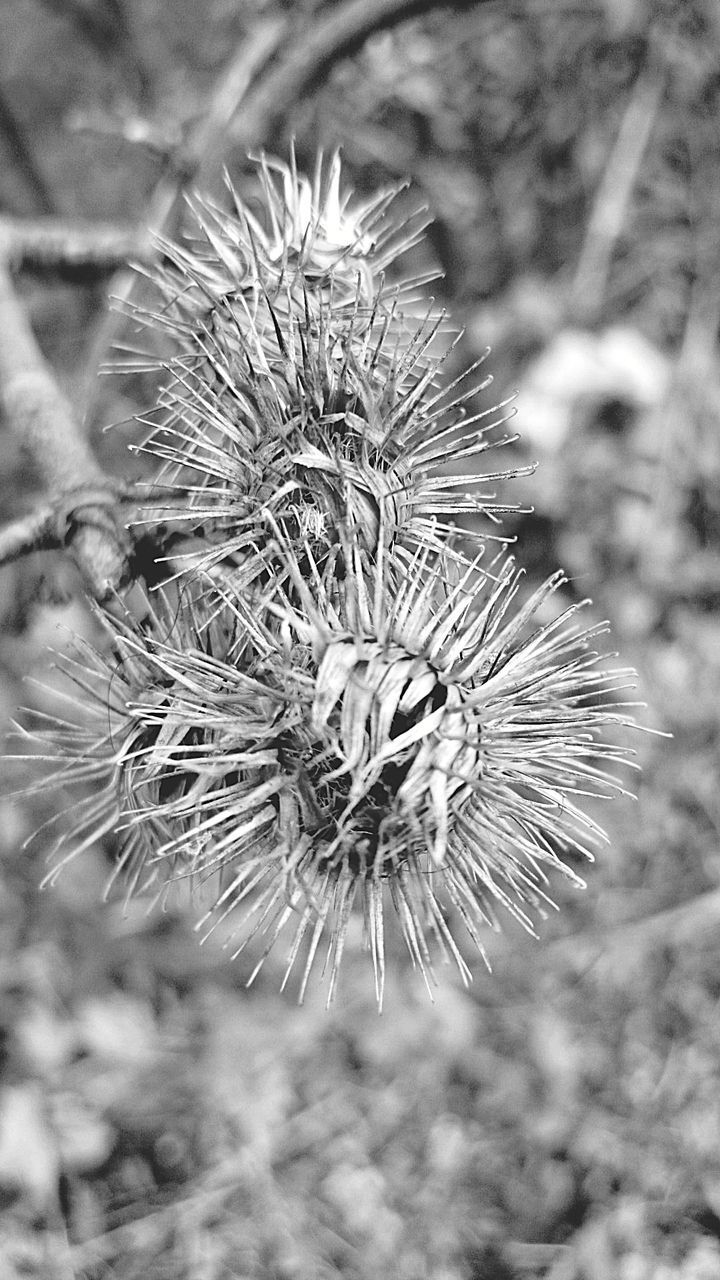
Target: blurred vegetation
{"type": "Point", "coordinates": [561, 1118]}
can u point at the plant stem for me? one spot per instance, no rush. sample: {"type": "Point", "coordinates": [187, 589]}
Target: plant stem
{"type": "Point", "coordinates": [51, 438]}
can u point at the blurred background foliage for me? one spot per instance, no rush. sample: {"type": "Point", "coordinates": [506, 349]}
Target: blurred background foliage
{"type": "Point", "coordinates": [561, 1118]}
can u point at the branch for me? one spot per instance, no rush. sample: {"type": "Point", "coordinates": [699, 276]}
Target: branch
{"type": "Point", "coordinates": [23, 158]}
{"type": "Point", "coordinates": [683, 925]}
{"type": "Point", "coordinates": [51, 439]}
{"type": "Point", "coordinates": [202, 146]}
{"type": "Point", "coordinates": [310, 57]}
{"type": "Point", "coordinates": [614, 193]}
{"type": "Point", "coordinates": [71, 249]}
{"type": "Point", "coordinates": [53, 525]}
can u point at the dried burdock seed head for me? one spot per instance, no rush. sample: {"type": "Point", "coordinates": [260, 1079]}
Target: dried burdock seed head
{"type": "Point", "coordinates": [300, 384]}
{"type": "Point", "coordinates": [445, 758]}
{"type": "Point", "coordinates": [301, 236]}
{"type": "Point", "coordinates": [404, 734]}
{"type": "Point", "coordinates": [320, 426]}
{"type": "Point", "coordinates": [307, 247]}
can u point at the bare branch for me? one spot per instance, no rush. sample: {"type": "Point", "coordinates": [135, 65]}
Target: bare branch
{"type": "Point", "coordinates": [71, 249]}
{"type": "Point", "coordinates": [308, 60]}
{"type": "Point", "coordinates": [23, 158]}
{"type": "Point", "coordinates": [52, 525]}
{"type": "Point", "coordinates": [51, 438]}
{"type": "Point", "coordinates": [33, 532]}
{"type": "Point", "coordinates": [203, 148]}
{"type": "Point", "coordinates": [130, 128]}
{"type": "Point", "coordinates": [203, 151]}
{"type": "Point", "coordinates": [615, 191]}
{"type": "Point", "coordinates": [683, 925]}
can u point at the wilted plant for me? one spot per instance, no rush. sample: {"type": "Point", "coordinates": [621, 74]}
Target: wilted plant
{"type": "Point", "coordinates": [328, 703]}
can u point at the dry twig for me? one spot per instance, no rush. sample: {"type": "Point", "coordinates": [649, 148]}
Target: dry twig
{"type": "Point", "coordinates": [679, 926]}
{"type": "Point", "coordinates": [23, 159]}
{"type": "Point", "coordinates": [308, 59]}
{"type": "Point", "coordinates": [51, 439]}
{"type": "Point", "coordinates": [201, 148]}
{"type": "Point", "coordinates": [614, 193]}
{"type": "Point", "coordinates": [71, 249]}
